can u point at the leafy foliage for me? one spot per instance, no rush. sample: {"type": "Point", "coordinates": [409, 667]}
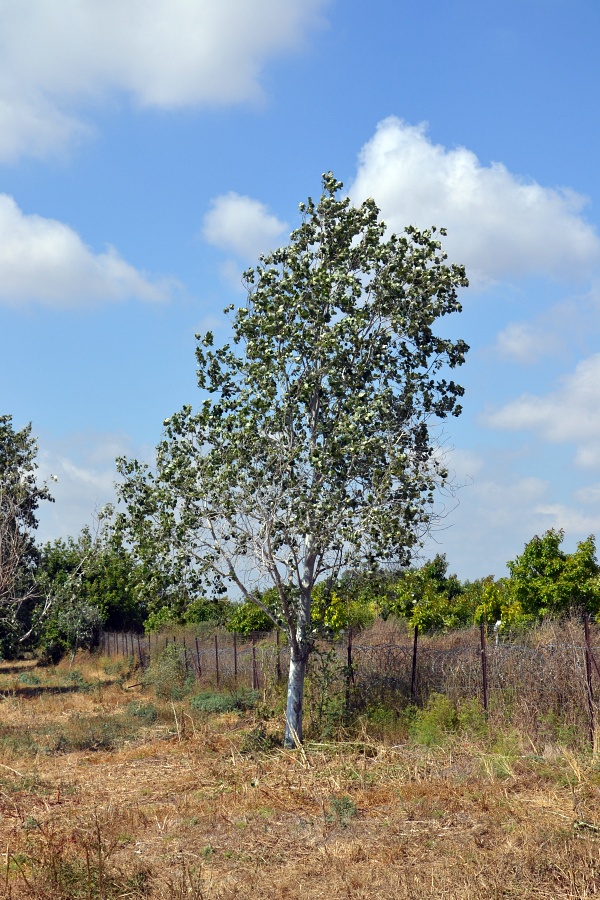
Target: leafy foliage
{"type": "Point", "coordinates": [215, 702]}
{"type": "Point", "coordinates": [22, 606]}
{"type": "Point", "coordinates": [247, 617]}
{"type": "Point", "coordinates": [68, 628]}
{"type": "Point", "coordinates": [313, 452]}
{"type": "Point", "coordinates": [201, 610]}
{"type": "Point", "coordinates": [429, 598]}
{"type": "Point", "coordinates": [99, 573]}
{"type": "Point", "coordinates": [544, 580]}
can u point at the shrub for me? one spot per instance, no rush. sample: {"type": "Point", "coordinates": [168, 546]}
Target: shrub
{"type": "Point", "coordinates": [248, 617]}
{"type": "Point", "coordinates": [147, 712]}
{"type": "Point", "coordinates": [202, 610]}
{"type": "Point", "coordinates": [69, 628]}
{"type": "Point", "coordinates": [442, 717]}
{"type": "Point", "coordinates": [168, 675]}
{"type": "Point", "coordinates": [258, 741]}
{"type": "Point", "coordinates": [212, 702]}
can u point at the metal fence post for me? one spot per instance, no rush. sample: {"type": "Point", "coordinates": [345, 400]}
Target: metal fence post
{"type": "Point", "coordinates": [413, 677]}
{"type": "Point", "coordinates": [254, 670]}
{"type": "Point", "coordinates": [198, 658]}
{"type": "Point", "coordinates": [217, 657]}
{"type": "Point", "coordinates": [235, 658]}
{"type": "Point", "coordinates": [484, 667]}
{"type": "Point", "coordinates": [588, 675]}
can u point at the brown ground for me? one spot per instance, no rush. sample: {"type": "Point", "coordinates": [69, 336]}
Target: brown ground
{"type": "Point", "coordinates": [179, 809]}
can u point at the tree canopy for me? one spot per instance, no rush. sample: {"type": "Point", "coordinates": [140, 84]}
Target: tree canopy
{"type": "Point", "coordinates": [313, 450]}
{"type": "Point", "coordinates": [544, 580]}
{"type": "Point", "coordinates": [20, 496]}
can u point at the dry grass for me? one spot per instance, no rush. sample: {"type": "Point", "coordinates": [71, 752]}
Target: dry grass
{"type": "Point", "coordinates": [176, 808]}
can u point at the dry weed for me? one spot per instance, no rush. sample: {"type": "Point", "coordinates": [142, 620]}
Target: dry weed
{"type": "Point", "coordinates": [177, 809]}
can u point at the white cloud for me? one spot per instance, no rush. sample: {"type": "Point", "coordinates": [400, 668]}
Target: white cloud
{"type": "Point", "coordinates": [588, 457]}
{"type": "Point", "coordinates": [569, 414]}
{"type": "Point", "coordinates": [569, 519]}
{"type": "Point", "coordinates": [161, 53]}
{"type": "Point", "coordinates": [588, 495]}
{"type": "Point", "coordinates": [242, 226]}
{"type": "Point", "coordinates": [499, 225]}
{"type": "Point", "coordinates": [43, 260]}
{"type": "Point", "coordinates": [491, 523]}
{"type": "Point", "coordinates": [464, 463]}
{"type": "Point", "coordinates": [85, 467]}
{"type": "Point", "coordinates": [525, 343]}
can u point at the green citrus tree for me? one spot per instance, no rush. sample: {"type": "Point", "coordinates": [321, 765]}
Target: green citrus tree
{"type": "Point", "coordinates": [544, 580]}
{"type": "Point", "coordinates": [313, 451]}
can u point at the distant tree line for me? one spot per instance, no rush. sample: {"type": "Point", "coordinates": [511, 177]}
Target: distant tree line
{"type": "Point", "coordinates": [57, 596]}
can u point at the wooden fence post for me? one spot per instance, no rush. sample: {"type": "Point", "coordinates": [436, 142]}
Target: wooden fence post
{"type": "Point", "coordinates": [235, 658]}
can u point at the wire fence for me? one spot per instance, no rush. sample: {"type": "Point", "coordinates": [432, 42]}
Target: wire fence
{"type": "Point", "coordinates": [548, 680]}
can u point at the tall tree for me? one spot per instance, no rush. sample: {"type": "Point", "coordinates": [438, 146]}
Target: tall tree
{"type": "Point", "coordinates": [313, 451]}
{"type": "Point", "coordinates": [20, 496]}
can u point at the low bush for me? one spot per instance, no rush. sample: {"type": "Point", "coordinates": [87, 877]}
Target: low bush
{"type": "Point", "coordinates": [442, 717]}
{"type": "Point", "coordinates": [146, 712]}
{"type": "Point", "coordinates": [168, 675]}
{"type": "Point", "coordinates": [212, 702]}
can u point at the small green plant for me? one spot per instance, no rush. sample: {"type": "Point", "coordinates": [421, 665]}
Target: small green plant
{"type": "Point", "coordinates": [208, 701]}
{"type": "Point", "coordinates": [146, 712]}
{"type": "Point", "coordinates": [88, 734]}
{"type": "Point", "coordinates": [168, 675]}
{"type": "Point", "coordinates": [441, 717]}
{"type": "Point", "coordinates": [213, 702]}
{"type": "Point", "coordinates": [258, 741]}
{"type": "Point", "coordinates": [29, 679]}
{"type": "Point", "coordinates": [326, 693]}
{"type": "Point", "coordinates": [386, 721]}
{"type": "Point", "coordinates": [341, 810]}
{"type": "Point", "coordinates": [75, 678]}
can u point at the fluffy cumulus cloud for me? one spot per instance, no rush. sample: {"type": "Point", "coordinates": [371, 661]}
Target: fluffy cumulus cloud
{"type": "Point", "coordinates": [43, 260]}
{"type": "Point", "coordinates": [499, 225]}
{"type": "Point", "coordinates": [55, 57]}
{"type": "Point", "coordinates": [570, 414]}
{"type": "Point", "coordinates": [242, 226]}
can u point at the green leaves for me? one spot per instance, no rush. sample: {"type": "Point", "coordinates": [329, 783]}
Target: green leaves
{"type": "Point", "coordinates": [20, 496]}
{"type": "Point", "coordinates": [546, 580]}
{"type": "Point", "coordinates": [312, 451]}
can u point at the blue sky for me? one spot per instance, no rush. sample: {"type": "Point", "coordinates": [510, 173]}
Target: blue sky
{"type": "Point", "coordinates": [149, 150]}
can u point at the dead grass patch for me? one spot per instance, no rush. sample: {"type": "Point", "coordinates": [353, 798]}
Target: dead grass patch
{"type": "Point", "coordinates": [178, 806]}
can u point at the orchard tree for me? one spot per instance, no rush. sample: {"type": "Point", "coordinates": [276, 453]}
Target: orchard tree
{"type": "Point", "coordinates": [20, 496]}
{"type": "Point", "coordinates": [314, 451]}
{"type": "Point", "coordinates": [96, 570]}
{"type": "Point", "coordinates": [544, 580]}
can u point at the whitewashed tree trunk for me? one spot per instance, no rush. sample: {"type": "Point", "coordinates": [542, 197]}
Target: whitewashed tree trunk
{"type": "Point", "coordinates": [295, 698]}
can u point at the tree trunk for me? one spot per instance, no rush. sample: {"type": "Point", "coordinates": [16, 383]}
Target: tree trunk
{"type": "Point", "coordinates": [295, 698]}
